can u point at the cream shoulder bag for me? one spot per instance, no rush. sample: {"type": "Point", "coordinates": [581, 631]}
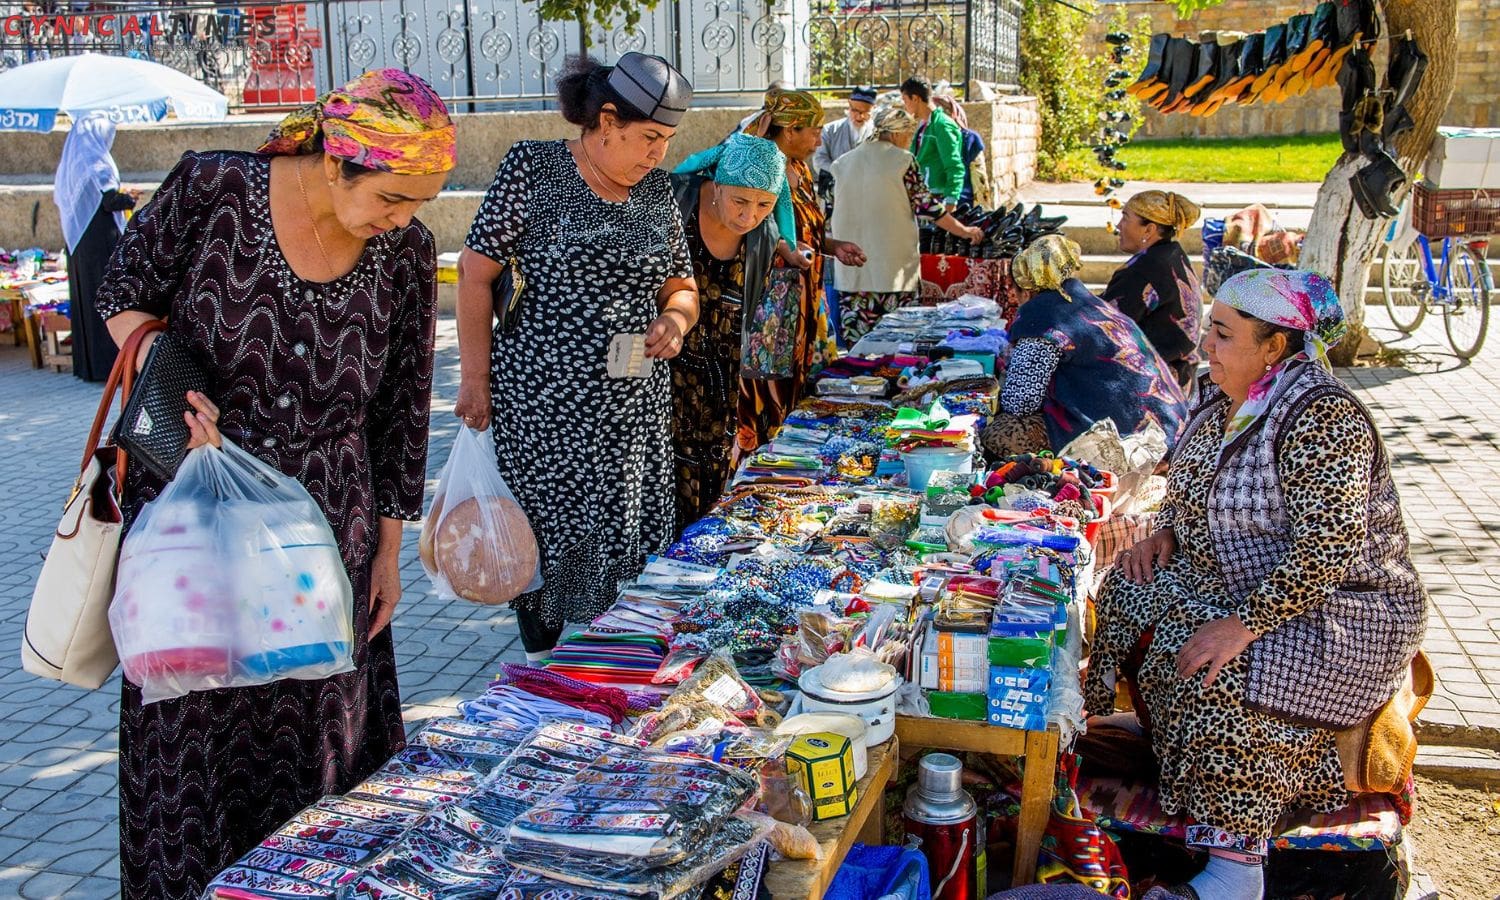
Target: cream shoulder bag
{"type": "Point", "coordinates": [67, 635]}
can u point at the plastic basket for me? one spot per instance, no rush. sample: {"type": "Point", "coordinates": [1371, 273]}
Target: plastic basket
{"type": "Point", "coordinates": [1441, 213]}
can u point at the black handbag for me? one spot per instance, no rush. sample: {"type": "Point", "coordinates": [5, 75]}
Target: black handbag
{"type": "Point", "coordinates": [506, 294]}
{"type": "Point", "coordinates": [151, 427]}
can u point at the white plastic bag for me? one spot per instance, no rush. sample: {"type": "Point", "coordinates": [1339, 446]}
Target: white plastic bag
{"type": "Point", "coordinates": [232, 577]}
{"type": "Point", "coordinates": [476, 542]}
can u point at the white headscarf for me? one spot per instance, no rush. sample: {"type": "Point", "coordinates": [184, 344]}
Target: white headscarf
{"type": "Point", "coordinates": [85, 172]}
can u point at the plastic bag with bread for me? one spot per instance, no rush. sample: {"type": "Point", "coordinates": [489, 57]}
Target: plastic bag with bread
{"type": "Point", "coordinates": [476, 543]}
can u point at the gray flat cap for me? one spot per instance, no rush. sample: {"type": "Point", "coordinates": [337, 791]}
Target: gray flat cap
{"type": "Point", "coordinates": [650, 85]}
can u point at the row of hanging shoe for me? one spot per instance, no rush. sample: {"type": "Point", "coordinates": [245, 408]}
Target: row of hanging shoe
{"type": "Point", "coordinates": [1373, 115]}
{"type": "Point", "coordinates": [1286, 60]}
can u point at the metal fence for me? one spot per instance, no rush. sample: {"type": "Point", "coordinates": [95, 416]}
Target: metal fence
{"type": "Point", "coordinates": [500, 51]}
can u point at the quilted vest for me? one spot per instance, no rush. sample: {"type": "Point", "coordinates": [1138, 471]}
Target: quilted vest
{"type": "Point", "coordinates": [1335, 664]}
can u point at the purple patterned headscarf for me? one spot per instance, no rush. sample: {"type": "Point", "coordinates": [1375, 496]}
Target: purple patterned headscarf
{"type": "Point", "coordinates": [1292, 299]}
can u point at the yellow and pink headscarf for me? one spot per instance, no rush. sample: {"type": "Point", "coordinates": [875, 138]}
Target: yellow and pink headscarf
{"type": "Point", "coordinates": [789, 109]}
{"type": "Point", "coordinates": [387, 120]}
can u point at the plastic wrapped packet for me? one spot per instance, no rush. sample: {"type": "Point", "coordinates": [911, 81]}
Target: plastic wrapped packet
{"type": "Point", "coordinates": [547, 759]}
{"type": "Point", "coordinates": [423, 867]}
{"type": "Point", "coordinates": [231, 577]}
{"type": "Point", "coordinates": [480, 747]}
{"type": "Point", "coordinates": [717, 680]}
{"type": "Point", "coordinates": [476, 543]}
{"type": "Point", "coordinates": [732, 839]}
{"type": "Point", "coordinates": [649, 808]}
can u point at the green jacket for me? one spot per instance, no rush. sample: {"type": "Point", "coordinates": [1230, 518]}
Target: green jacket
{"type": "Point", "coordinates": [939, 149]}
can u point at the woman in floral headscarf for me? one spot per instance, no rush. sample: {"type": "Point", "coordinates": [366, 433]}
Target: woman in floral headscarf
{"type": "Point", "coordinates": [299, 280]}
{"type": "Point", "coordinates": [1276, 603]}
{"type": "Point", "coordinates": [793, 121]}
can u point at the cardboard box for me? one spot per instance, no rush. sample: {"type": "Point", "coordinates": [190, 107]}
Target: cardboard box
{"type": "Point", "coordinates": [1017, 697]}
{"type": "Point", "coordinates": [824, 764]}
{"type": "Point", "coordinates": [967, 706]}
{"type": "Point", "coordinates": [1464, 158]}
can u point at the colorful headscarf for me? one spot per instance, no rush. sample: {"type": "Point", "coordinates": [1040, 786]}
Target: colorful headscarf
{"type": "Point", "coordinates": [387, 120]}
{"type": "Point", "coordinates": [1300, 300]}
{"type": "Point", "coordinates": [1046, 263]}
{"type": "Point", "coordinates": [748, 161]}
{"type": "Point", "coordinates": [894, 120]}
{"type": "Point", "coordinates": [789, 109]}
{"type": "Point", "coordinates": [1164, 208]}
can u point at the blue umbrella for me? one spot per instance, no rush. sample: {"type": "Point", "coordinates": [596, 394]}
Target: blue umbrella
{"type": "Point", "coordinates": [127, 90]}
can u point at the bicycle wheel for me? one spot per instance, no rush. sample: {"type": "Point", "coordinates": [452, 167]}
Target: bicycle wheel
{"type": "Point", "coordinates": [1467, 318]}
{"type": "Point", "coordinates": [1400, 269]}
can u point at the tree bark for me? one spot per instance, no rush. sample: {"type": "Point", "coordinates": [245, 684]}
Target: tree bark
{"type": "Point", "coordinates": [1341, 242]}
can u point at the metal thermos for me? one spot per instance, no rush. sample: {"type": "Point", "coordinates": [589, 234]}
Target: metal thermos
{"type": "Point", "coordinates": [946, 822]}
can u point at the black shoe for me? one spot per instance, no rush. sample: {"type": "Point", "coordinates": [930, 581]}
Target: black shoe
{"type": "Point", "coordinates": [1374, 184]}
{"type": "Point", "coordinates": [1404, 73]}
{"type": "Point", "coordinates": [1357, 78]}
{"type": "Point", "coordinates": [1117, 38]}
{"type": "Point", "coordinates": [1207, 71]}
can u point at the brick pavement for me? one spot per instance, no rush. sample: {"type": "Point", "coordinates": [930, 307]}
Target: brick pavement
{"type": "Point", "coordinates": [58, 745]}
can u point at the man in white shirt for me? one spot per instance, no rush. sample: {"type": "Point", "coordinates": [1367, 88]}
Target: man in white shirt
{"type": "Point", "coordinates": [847, 133]}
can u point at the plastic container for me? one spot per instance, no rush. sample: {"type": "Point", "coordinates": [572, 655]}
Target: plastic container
{"type": "Point", "coordinates": [923, 461]}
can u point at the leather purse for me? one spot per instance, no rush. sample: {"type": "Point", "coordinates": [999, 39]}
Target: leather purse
{"type": "Point", "coordinates": [1377, 755]}
{"type": "Point", "coordinates": [151, 427]}
{"type": "Point", "coordinates": [506, 293]}
{"type": "Point", "coordinates": [67, 636]}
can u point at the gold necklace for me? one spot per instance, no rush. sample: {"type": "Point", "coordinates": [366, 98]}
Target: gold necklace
{"type": "Point", "coordinates": [582, 145]}
{"type": "Point", "coordinates": [312, 219]}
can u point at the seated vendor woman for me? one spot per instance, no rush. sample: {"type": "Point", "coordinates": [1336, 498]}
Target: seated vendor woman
{"type": "Point", "coordinates": [726, 195]}
{"type": "Point", "coordinates": [1157, 288]}
{"type": "Point", "coordinates": [1277, 602]}
{"type": "Point", "coordinates": [1074, 360]}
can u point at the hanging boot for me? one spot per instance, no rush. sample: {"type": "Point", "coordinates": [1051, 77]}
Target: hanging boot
{"type": "Point", "coordinates": [1298, 30]}
{"type": "Point", "coordinates": [1323, 38]}
{"type": "Point", "coordinates": [1150, 76]}
{"type": "Point", "coordinates": [1273, 54]}
{"type": "Point", "coordinates": [1208, 67]}
{"type": "Point", "coordinates": [1403, 76]}
{"type": "Point", "coordinates": [1250, 65]}
{"type": "Point", "coordinates": [1375, 185]}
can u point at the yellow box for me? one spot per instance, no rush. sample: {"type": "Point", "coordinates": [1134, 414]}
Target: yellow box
{"type": "Point", "coordinates": [824, 764]}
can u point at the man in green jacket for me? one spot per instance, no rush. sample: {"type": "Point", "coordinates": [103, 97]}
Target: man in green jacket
{"type": "Point", "coordinates": [938, 144]}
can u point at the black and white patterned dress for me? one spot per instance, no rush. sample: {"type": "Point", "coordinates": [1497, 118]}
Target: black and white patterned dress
{"type": "Point", "coordinates": [589, 457]}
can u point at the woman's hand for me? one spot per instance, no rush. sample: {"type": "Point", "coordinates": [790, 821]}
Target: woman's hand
{"type": "Point", "coordinates": [847, 252]}
{"type": "Point", "coordinates": [664, 337]}
{"type": "Point", "coordinates": [794, 258]}
{"type": "Point", "coordinates": [1140, 562]}
{"type": "Point", "coordinates": [473, 405]}
{"type": "Point", "coordinates": [974, 233]}
{"type": "Point", "coordinates": [385, 586]}
{"type": "Point", "coordinates": [202, 421]}
{"type": "Point", "coordinates": [1212, 647]}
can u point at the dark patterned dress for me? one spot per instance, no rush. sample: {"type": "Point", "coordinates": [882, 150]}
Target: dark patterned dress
{"type": "Point", "coordinates": [860, 310]}
{"type": "Point", "coordinates": [1075, 360]}
{"type": "Point", "coordinates": [329, 383]}
{"type": "Point", "coordinates": [589, 457]}
{"type": "Point", "coordinates": [770, 401]}
{"type": "Point", "coordinates": [705, 378]}
{"type": "Point", "coordinates": [1159, 291]}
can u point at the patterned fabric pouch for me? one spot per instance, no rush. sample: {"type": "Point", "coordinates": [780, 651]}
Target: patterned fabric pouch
{"type": "Point", "coordinates": [769, 335]}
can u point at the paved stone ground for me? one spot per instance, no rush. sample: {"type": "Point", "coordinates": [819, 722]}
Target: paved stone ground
{"type": "Point", "coordinates": [58, 745]}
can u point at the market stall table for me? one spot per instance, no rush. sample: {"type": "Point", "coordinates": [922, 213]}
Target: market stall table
{"type": "Point", "coordinates": [1037, 748]}
{"type": "Point", "coordinates": [795, 879]}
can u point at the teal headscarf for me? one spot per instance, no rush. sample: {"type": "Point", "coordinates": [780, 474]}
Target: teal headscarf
{"type": "Point", "coordinates": [744, 160]}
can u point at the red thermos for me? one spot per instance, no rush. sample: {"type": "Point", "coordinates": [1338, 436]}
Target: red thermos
{"type": "Point", "coordinates": [944, 819]}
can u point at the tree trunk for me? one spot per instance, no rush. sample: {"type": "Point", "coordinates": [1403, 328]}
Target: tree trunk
{"type": "Point", "coordinates": [1341, 242]}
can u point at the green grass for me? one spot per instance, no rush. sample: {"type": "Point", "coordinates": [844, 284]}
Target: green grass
{"type": "Point", "coordinates": [1305, 158]}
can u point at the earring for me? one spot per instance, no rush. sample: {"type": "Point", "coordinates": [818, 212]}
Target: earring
{"type": "Point", "coordinates": [1268, 368]}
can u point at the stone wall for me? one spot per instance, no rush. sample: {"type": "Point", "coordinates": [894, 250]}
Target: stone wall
{"type": "Point", "coordinates": [1476, 96]}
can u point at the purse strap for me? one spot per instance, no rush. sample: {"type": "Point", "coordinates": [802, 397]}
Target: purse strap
{"type": "Point", "coordinates": [121, 378]}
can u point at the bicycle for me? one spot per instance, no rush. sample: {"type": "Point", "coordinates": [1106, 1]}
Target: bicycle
{"type": "Point", "coordinates": [1455, 285]}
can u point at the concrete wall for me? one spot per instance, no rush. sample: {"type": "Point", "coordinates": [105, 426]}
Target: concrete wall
{"type": "Point", "coordinates": [1476, 96]}
{"type": "Point", "coordinates": [28, 217]}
